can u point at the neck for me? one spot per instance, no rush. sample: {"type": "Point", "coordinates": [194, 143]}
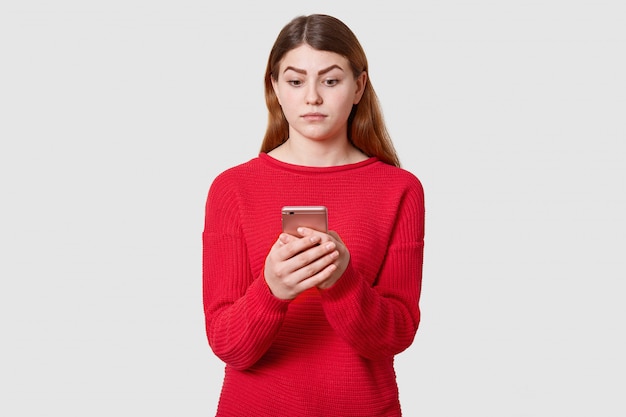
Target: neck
{"type": "Point", "coordinates": [317, 154]}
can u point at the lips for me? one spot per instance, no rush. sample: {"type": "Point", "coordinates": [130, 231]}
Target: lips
{"type": "Point", "coordinates": [314, 116]}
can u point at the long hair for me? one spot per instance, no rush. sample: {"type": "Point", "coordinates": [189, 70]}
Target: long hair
{"type": "Point", "coordinates": [366, 126]}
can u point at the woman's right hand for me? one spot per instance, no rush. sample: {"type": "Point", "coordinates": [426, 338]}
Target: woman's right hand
{"type": "Point", "coordinates": [295, 264]}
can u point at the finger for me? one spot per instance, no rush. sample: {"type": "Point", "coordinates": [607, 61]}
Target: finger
{"type": "Point", "coordinates": [283, 239]}
{"type": "Point", "coordinates": [308, 232]}
{"type": "Point", "coordinates": [298, 245]}
{"type": "Point", "coordinates": [320, 277]}
{"type": "Point", "coordinates": [295, 255]}
{"type": "Point", "coordinates": [312, 262]}
{"type": "Point", "coordinates": [311, 254]}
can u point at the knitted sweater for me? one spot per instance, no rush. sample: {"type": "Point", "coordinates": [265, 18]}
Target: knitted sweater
{"type": "Point", "coordinates": [328, 352]}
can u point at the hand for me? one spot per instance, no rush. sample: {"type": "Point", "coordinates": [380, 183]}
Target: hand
{"type": "Point", "coordinates": [297, 263]}
{"type": "Point", "coordinates": [341, 261]}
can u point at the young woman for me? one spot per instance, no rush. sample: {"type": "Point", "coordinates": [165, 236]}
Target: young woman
{"type": "Point", "coordinates": [309, 324]}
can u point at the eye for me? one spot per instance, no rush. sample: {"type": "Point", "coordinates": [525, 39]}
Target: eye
{"type": "Point", "coordinates": [294, 83]}
{"type": "Point", "coordinates": [330, 82]}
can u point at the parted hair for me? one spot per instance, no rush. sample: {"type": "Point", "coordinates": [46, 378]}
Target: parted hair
{"type": "Point", "coordinates": [366, 125]}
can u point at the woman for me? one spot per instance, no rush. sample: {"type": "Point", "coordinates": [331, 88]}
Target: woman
{"type": "Point", "coordinates": [309, 324]}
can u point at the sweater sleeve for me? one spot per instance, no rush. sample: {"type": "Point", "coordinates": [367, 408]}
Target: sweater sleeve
{"type": "Point", "coordinates": [242, 316]}
{"type": "Point", "coordinates": [381, 320]}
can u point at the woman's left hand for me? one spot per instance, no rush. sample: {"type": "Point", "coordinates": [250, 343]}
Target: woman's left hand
{"type": "Point", "coordinates": [342, 260]}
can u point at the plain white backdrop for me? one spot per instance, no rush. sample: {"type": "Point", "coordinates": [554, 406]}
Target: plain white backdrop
{"type": "Point", "coordinates": [115, 117]}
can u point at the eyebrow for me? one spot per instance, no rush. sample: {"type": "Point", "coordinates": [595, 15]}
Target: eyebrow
{"type": "Point", "coordinates": [320, 72]}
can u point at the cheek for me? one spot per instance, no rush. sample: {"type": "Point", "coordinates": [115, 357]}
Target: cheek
{"type": "Point", "coordinates": [286, 97]}
{"type": "Point", "coordinates": [288, 107]}
{"type": "Point", "coordinates": [286, 103]}
{"type": "Point", "coordinates": [347, 104]}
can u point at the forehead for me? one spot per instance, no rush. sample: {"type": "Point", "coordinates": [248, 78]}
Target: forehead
{"type": "Point", "coordinates": [307, 58]}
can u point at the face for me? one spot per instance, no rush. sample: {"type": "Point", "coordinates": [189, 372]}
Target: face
{"type": "Point", "coordinates": [316, 90]}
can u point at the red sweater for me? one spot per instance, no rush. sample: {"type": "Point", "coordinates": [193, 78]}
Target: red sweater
{"type": "Point", "coordinates": [329, 352]}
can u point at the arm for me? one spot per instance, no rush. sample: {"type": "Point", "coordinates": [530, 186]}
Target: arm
{"type": "Point", "coordinates": [242, 316]}
{"type": "Point", "coordinates": [381, 320]}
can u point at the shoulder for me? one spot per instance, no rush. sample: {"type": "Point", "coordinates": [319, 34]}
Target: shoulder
{"type": "Point", "coordinates": [406, 187]}
{"type": "Point", "coordinates": [400, 177]}
{"type": "Point", "coordinates": [237, 173]}
{"type": "Point", "coordinates": [226, 184]}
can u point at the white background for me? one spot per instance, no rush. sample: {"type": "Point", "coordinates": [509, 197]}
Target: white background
{"type": "Point", "coordinates": [115, 116]}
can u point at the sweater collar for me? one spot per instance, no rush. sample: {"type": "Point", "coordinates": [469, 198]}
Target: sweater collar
{"type": "Point", "coordinates": [275, 163]}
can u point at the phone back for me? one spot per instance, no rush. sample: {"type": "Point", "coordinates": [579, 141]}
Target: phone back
{"type": "Point", "coordinates": [314, 217]}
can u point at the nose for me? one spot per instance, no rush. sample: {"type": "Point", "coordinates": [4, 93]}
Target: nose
{"type": "Point", "coordinates": [313, 96]}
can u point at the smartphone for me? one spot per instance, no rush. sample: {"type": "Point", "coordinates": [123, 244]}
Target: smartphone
{"type": "Point", "coordinates": [314, 217]}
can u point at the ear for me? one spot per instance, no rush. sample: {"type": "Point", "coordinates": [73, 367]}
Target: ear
{"type": "Point", "coordinates": [361, 81]}
{"type": "Point", "coordinates": [275, 87]}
